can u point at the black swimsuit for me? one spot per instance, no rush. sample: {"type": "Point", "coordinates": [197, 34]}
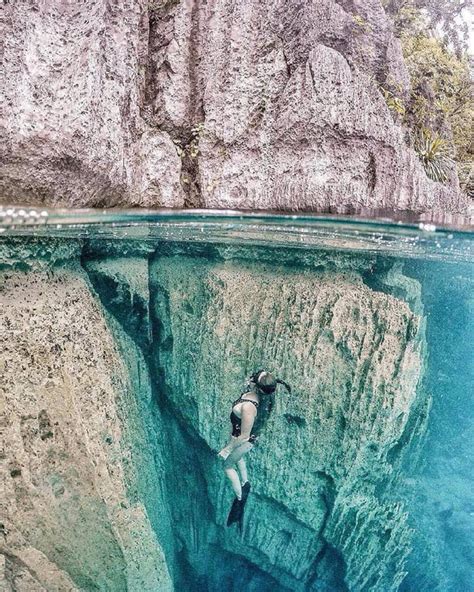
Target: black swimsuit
{"type": "Point", "coordinates": [237, 422]}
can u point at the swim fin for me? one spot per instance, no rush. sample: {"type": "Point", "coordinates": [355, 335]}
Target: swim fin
{"type": "Point", "coordinates": [245, 492]}
{"type": "Point", "coordinates": [236, 513]}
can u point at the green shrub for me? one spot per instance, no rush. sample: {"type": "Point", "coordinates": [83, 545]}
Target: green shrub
{"type": "Point", "coordinates": [394, 103]}
{"type": "Point", "coordinates": [442, 90]}
{"type": "Point", "coordinates": [434, 153]}
{"type": "Point", "coordinates": [440, 109]}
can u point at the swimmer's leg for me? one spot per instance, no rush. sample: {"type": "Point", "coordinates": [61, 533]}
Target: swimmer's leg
{"type": "Point", "coordinates": [224, 453]}
{"type": "Point", "coordinates": [241, 465]}
{"type": "Point", "coordinates": [244, 480]}
{"type": "Point", "coordinates": [235, 458]}
{"type": "Point", "coordinates": [241, 491]}
{"type": "Point", "coordinates": [234, 479]}
{"type": "Point", "coordinates": [238, 453]}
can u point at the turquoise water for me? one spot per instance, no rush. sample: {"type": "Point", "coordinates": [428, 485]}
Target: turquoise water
{"type": "Point", "coordinates": [362, 477]}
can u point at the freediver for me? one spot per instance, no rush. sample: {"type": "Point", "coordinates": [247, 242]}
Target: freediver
{"type": "Point", "coordinates": [249, 414]}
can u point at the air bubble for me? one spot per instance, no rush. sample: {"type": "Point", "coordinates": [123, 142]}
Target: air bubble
{"type": "Point", "coordinates": [427, 227]}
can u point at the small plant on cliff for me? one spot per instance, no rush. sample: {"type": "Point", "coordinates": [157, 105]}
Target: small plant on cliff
{"type": "Point", "coordinates": [394, 103]}
{"type": "Point", "coordinates": [193, 146]}
{"type": "Point", "coordinates": [440, 108]}
{"type": "Point", "coordinates": [361, 23]}
{"type": "Point", "coordinates": [189, 145]}
{"type": "Point", "coordinates": [434, 153]}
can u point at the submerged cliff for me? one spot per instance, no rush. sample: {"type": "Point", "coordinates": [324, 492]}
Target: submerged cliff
{"type": "Point", "coordinates": [118, 396]}
{"type": "Point", "coordinates": [321, 478]}
{"type": "Point", "coordinates": [73, 516]}
{"type": "Point", "coordinates": [212, 104]}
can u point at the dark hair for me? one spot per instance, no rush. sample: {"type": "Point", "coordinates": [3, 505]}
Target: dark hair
{"type": "Point", "coordinates": [265, 381]}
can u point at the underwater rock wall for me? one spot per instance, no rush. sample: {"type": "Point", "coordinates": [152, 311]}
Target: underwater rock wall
{"type": "Point", "coordinates": [215, 104]}
{"type": "Point", "coordinates": [73, 516]}
{"type": "Point", "coordinates": [126, 378]}
{"type": "Point", "coordinates": [321, 514]}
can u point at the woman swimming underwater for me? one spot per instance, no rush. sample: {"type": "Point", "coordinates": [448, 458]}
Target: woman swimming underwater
{"type": "Point", "coordinates": [249, 414]}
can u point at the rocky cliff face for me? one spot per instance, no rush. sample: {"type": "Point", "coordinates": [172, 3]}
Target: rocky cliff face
{"type": "Point", "coordinates": [73, 436]}
{"type": "Point", "coordinates": [214, 104]}
{"type": "Point", "coordinates": [322, 475]}
{"type": "Point", "coordinates": [117, 399]}
{"type": "Point", "coordinates": [75, 135]}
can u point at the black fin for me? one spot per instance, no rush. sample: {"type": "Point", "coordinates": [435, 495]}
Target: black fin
{"type": "Point", "coordinates": [236, 511]}
{"type": "Point", "coordinates": [245, 494]}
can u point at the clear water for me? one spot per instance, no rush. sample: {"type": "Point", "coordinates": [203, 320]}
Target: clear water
{"type": "Point", "coordinates": [362, 477]}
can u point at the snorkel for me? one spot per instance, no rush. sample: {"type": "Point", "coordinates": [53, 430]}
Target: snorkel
{"type": "Point", "coordinates": [267, 383]}
{"type": "Point", "coordinates": [285, 384]}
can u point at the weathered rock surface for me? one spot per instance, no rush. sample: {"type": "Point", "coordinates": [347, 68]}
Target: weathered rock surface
{"type": "Point", "coordinates": [112, 409]}
{"type": "Point", "coordinates": [323, 474]}
{"type": "Point", "coordinates": [215, 104]}
{"type": "Point", "coordinates": [73, 515]}
{"type": "Point", "coordinates": [291, 112]}
{"type": "Point", "coordinates": [74, 134]}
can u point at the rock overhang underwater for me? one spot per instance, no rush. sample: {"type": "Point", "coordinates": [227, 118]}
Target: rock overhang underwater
{"type": "Point", "coordinates": [180, 326]}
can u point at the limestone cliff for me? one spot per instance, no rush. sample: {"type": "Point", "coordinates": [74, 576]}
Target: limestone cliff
{"type": "Point", "coordinates": [321, 478]}
{"type": "Point", "coordinates": [217, 104]}
{"type": "Point", "coordinates": [74, 89]}
{"type": "Point", "coordinates": [117, 398]}
{"type": "Point", "coordinates": [73, 437]}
